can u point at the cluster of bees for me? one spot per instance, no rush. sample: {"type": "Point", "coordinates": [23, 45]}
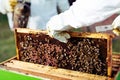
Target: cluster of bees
{"type": "Point", "coordinates": [79, 54]}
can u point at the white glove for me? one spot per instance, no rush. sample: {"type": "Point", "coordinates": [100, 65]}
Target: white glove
{"type": "Point", "coordinates": [57, 29]}
{"type": "Point", "coordinates": [116, 26]}
{"type": "Point", "coordinates": [7, 6]}
{"type": "Point", "coordinates": [59, 35]}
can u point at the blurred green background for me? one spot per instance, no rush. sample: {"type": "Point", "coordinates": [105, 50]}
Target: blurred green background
{"type": "Point", "coordinates": [7, 42]}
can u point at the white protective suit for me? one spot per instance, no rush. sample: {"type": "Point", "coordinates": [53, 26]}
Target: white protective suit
{"type": "Point", "coordinates": [6, 9]}
{"type": "Point", "coordinates": [41, 11]}
{"type": "Point", "coordinates": [82, 13]}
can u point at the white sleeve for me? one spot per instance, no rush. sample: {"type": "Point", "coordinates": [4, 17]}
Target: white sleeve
{"type": "Point", "coordinates": [84, 13]}
{"type": "Point", "coordinates": [116, 22]}
{"type": "Point", "coordinates": [63, 5]}
{"type": "Point", "coordinates": [4, 6]}
{"type": "Point", "coordinates": [10, 20]}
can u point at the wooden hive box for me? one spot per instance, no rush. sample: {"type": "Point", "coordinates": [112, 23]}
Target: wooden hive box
{"type": "Point", "coordinates": [85, 52]}
{"type": "Point", "coordinates": [46, 72]}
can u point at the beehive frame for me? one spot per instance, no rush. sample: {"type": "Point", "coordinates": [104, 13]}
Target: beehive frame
{"type": "Point", "coordinates": [79, 35]}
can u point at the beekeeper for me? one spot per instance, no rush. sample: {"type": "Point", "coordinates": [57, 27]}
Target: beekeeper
{"type": "Point", "coordinates": [83, 13]}
{"type": "Point", "coordinates": [41, 11]}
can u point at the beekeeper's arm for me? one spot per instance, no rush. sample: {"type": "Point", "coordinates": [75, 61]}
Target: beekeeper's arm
{"type": "Point", "coordinates": [116, 26]}
{"type": "Point", "coordinates": [81, 13]}
{"type": "Point", "coordinates": [7, 6]}
{"type": "Point", "coordinates": [63, 5]}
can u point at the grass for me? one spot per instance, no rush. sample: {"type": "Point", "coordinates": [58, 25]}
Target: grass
{"type": "Point", "coordinates": [116, 46]}
{"type": "Point", "coordinates": [7, 42]}
{"type": "Point", "coordinates": [9, 75]}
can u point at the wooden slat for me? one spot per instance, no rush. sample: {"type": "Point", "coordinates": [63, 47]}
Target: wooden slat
{"type": "Point", "coordinates": [73, 34]}
{"type": "Point", "coordinates": [8, 60]}
{"type": "Point", "coordinates": [91, 35]}
{"type": "Point", "coordinates": [116, 56]}
{"type": "Point", "coordinates": [47, 70]}
{"type": "Point", "coordinates": [25, 30]}
{"type": "Point", "coordinates": [109, 56]}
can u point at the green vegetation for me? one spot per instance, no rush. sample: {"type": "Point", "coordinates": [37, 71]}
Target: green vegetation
{"type": "Point", "coordinates": [7, 43]}
{"type": "Point", "coordinates": [116, 46]}
{"type": "Point", "coordinates": [9, 75]}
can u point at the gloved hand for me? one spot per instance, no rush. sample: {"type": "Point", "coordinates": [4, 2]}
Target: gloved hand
{"type": "Point", "coordinates": [59, 35]}
{"type": "Point", "coordinates": [116, 26]}
{"type": "Point", "coordinates": [58, 30]}
{"type": "Point", "coordinates": [12, 4]}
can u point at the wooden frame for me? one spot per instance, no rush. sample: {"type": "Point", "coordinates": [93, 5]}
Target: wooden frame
{"type": "Point", "coordinates": [77, 34]}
